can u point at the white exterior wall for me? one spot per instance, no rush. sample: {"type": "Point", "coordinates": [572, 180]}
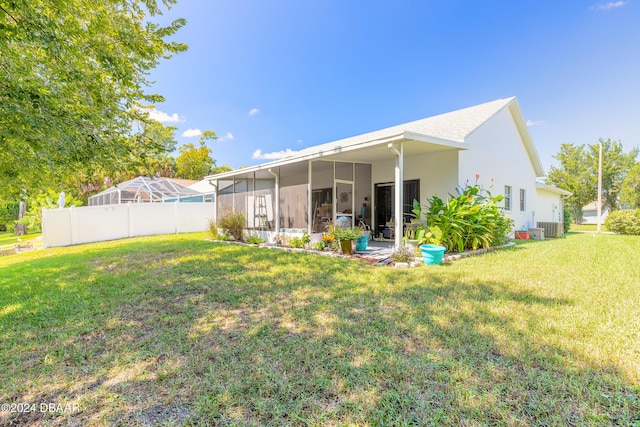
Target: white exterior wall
{"type": "Point", "coordinates": [497, 152]}
{"type": "Point", "coordinates": [72, 226]}
{"type": "Point", "coordinates": [548, 207]}
{"type": "Point", "coordinates": [437, 172]}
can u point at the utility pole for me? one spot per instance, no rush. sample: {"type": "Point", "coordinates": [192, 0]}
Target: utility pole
{"type": "Point", "coordinates": [599, 186]}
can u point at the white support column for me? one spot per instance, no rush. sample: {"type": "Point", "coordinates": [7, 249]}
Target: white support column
{"type": "Point", "coordinates": [277, 196]}
{"type": "Point", "coordinates": [399, 173]}
{"type": "Point", "coordinates": [215, 200]}
{"type": "Point", "coordinates": [309, 202]}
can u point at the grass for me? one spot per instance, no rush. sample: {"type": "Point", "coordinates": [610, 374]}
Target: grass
{"type": "Point", "coordinates": [7, 238]}
{"type": "Point", "coordinates": [175, 330]}
{"type": "Point", "coordinates": [587, 227]}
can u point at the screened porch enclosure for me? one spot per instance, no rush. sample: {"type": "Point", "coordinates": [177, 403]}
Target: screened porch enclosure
{"type": "Point", "coordinates": [304, 196]}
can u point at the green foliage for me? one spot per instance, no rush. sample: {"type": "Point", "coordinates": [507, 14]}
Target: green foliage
{"type": "Point", "coordinates": [213, 230]}
{"type": "Point", "coordinates": [470, 220]}
{"type": "Point", "coordinates": [48, 200]}
{"type": "Point", "coordinates": [318, 246]}
{"type": "Point", "coordinates": [221, 169]}
{"type": "Point", "coordinates": [573, 175]}
{"type": "Point", "coordinates": [233, 224]}
{"type": "Point", "coordinates": [624, 222]}
{"type": "Point", "coordinates": [8, 211]}
{"type": "Point", "coordinates": [74, 79]}
{"type": "Point", "coordinates": [566, 220]}
{"type": "Point", "coordinates": [578, 173]}
{"type": "Point", "coordinates": [255, 240]}
{"type": "Point", "coordinates": [404, 254]}
{"type": "Point", "coordinates": [630, 192]}
{"type": "Point", "coordinates": [196, 162]}
{"type": "Point", "coordinates": [349, 233]}
{"type": "Point", "coordinates": [300, 242]}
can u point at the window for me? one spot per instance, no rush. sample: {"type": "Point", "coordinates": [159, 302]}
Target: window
{"type": "Point", "coordinates": [523, 200]}
{"type": "Point", "coordinates": [507, 197]}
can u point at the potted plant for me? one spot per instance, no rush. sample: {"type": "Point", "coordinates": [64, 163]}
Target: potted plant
{"type": "Point", "coordinates": [410, 239]}
{"type": "Point", "coordinates": [347, 238]}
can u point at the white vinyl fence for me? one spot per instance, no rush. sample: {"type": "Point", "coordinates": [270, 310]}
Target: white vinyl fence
{"type": "Point", "coordinates": [72, 226]}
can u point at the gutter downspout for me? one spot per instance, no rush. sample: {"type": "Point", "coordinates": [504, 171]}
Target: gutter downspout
{"type": "Point", "coordinates": [399, 173]}
{"type": "Point", "coordinates": [277, 215]}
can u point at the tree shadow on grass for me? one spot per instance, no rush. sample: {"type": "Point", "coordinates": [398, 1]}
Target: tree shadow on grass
{"type": "Point", "coordinates": [218, 334]}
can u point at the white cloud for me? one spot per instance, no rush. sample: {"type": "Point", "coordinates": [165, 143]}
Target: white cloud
{"type": "Point", "coordinates": [258, 154]}
{"type": "Point", "coordinates": [531, 123]}
{"type": "Point", "coordinates": [609, 5]}
{"type": "Point", "coordinates": [253, 112]}
{"type": "Point", "coordinates": [163, 117]}
{"type": "Point", "coordinates": [227, 137]}
{"type": "Point", "coordinates": [299, 141]}
{"type": "Point", "coordinates": [190, 133]}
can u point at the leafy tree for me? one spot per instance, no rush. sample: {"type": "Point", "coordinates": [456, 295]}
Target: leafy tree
{"type": "Point", "coordinates": [221, 169]}
{"type": "Point", "coordinates": [630, 192]}
{"type": "Point", "coordinates": [572, 175]}
{"type": "Point", "coordinates": [578, 173]}
{"type": "Point", "coordinates": [615, 166]}
{"type": "Point", "coordinates": [45, 199]}
{"type": "Point", "coordinates": [74, 78]}
{"type": "Point", "coordinates": [8, 213]}
{"type": "Point", "coordinates": [196, 162]}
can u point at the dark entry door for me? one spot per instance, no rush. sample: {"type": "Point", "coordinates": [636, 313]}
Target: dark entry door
{"type": "Point", "coordinates": [385, 199]}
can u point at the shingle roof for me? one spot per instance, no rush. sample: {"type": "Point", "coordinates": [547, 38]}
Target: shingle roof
{"type": "Point", "coordinates": [449, 128]}
{"type": "Point", "coordinates": [453, 126]}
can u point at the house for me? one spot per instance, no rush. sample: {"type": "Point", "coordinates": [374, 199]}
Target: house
{"type": "Point", "coordinates": [590, 213]}
{"type": "Point", "coordinates": [375, 177]}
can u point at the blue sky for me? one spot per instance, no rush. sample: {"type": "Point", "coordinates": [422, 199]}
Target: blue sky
{"type": "Point", "coordinates": [271, 76]}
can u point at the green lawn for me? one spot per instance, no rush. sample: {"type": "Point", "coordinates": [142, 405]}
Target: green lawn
{"type": "Point", "coordinates": [587, 227]}
{"type": "Point", "coordinates": [10, 238]}
{"type": "Point", "coordinates": [175, 330]}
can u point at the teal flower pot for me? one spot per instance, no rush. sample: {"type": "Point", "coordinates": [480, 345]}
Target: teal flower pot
{"type": "Point", "coordinates": [432, 254]}
{"type": "Point", "coordinates": [362, 242]}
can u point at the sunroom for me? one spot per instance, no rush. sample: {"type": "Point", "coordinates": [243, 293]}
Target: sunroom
{"type": "Point", "coordinates": [370, 179]}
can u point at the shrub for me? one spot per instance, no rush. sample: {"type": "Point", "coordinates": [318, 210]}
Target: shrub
{"type": "Point", "coordinates": [470, 220]}
{"type": "Point", "coordinates": [213, 230]}
{"type": "Point", "coordinates": [318, 246]}
{"type": "Point", "coordinates": [567, 220]}
{"type": "Point", "coordinates": [255, 240]}
{"type": "Point", "coordinates": [404, 254]}
{"type": "Point", "coordinates": [624, 222]}
{"type": "Point", "coordinates": [300, 242]}
{"type": "Point", "coordinates": [233, 224]}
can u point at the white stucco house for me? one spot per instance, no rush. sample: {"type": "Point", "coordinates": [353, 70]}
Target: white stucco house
{"type": "Point", "coordinates": [590, 213]}
{"type": "Point", "coordinates": [374, 177]}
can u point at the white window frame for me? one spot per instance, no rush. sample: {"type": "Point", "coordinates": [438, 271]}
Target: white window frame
{"type": "Point", "coordinates": [508, 197]}
{"type": "Point", "coordinates": [523, 200]}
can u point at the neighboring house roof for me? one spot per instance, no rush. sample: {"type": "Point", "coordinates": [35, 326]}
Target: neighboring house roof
{"type": "Point", "coordinates": [593, 206]}
{"type": "Point", "coordinates": [450, 130]}
{"type": "Point", "coordinates": [203, 186]}
{"type": "Point", "coordinates": [184, 182]}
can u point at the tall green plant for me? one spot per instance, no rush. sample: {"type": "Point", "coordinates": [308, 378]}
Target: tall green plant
{"type": "Point", "coordinates": [468, 220]}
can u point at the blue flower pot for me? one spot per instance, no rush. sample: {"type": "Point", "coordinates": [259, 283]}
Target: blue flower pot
{"type": "Point", "coordinates": [432, 254]}
{"type": "Point", "coordinates": [361, 243]}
